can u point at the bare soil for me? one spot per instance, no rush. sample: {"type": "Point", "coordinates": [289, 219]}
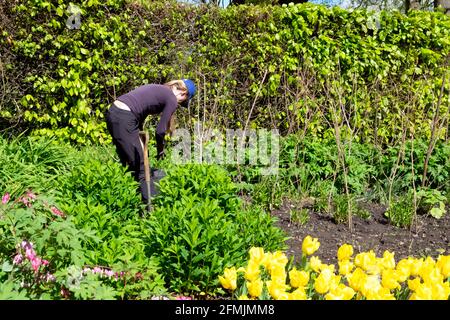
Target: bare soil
{"type": "Point", "coordinates": [427, 237]}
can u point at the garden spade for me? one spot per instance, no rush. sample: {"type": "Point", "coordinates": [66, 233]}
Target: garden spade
{"type": "Point", "coordinates": [144, 139]}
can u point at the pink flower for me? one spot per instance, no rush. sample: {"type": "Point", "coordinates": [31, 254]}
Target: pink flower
{"type": "Point", "coordinates": [5, 198]}
{"type": "Point", "coordinates": [18, 258]}
{"type": "Point", "coordinates": [109, 273]}
{"type": "Point", "coordinates": [97, 270]}
{"type": "Point", "coordinates": [35, 264]}
{"type": "Point", "coordinates": [31, 195]}
{"type": "Point", "coordinates": [30, 254]}
{"type": "Point", "coordinates": [25, 201]}
{"type": "Point", "coordinates": [49, 277]}
{"type": "Point", "coordinates": [57, 212]}
{"type": "Point", "coordinates": [183, 298]}
{"type": "Point", "coordinates": [45, 262]}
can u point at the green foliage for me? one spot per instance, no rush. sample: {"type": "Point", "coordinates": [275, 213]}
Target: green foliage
{"type": "Point", "coordinates": [286, 61]}
{"type": "Point", "coordinates": [432, 202]}
{"type": "Point", "coordinates": [402, 210]}
{"type": "Point", "coordinates": [22, 157]}
{"type": "Point", "coordinates": [300, 216]}
{"type": "Point", "coordinates": [199, 227]}
{"type": "Point", "coordinates": [74, 225]}
{"type": "Point", "coordinates": [34, 220]}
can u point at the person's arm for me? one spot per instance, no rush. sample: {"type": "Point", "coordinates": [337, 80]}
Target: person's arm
{"type": "Point", "coordinates": [161, 129]}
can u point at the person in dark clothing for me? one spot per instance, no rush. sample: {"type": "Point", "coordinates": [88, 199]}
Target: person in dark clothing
{"type": "Point", "coordinates": [126, 116]}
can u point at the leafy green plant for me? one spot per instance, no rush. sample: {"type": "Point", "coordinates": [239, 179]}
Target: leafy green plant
{"type": "Point", "coordinates": [432, 202]}
{"type": "Point", "coordinates": [300, 216]}
{"type": "Point", "coordinates": [199, 226]}
{"type": "Point", "coordinates": [401, 211]}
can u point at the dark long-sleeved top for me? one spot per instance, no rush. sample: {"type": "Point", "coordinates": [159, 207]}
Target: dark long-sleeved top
{"type": "Point", "coordinates": [152, 99]}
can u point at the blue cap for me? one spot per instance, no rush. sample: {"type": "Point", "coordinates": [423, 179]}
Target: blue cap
{"type": "Point", "coordinates": [191, 91]}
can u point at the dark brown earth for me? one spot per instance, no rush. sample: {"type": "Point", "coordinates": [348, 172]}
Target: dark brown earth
{"type": "Point", "coordinates": [427, 237]}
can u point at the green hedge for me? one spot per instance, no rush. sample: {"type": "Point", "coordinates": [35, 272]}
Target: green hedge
{"type": "Point", "coordinates": [295, 64]}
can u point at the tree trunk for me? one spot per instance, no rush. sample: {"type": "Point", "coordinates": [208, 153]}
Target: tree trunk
{"type": "Point", "coordinates": [445, 4]}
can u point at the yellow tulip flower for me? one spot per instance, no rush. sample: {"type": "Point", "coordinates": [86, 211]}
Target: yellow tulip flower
{"type": "Point", "coordinates": [228, 281]}
{"type": "Point", "coordinates": [427, 265]}
{"type": "Point", "coordinates": [298, 278]}
{"type": "Point", "coordinates": [415, 266]}
{"type": "Point", "coordinates": [414, 283]}
{"type": "Point", "coordinates": [423, 292]}
{"type": "Point", "coordinates": [368, 262]}
{"type": "Point", "coordinates": [323, 281]}
{"type": "Point", "coordinates": [256, 255]}
{"type": "Point", "coordinates": [388, 260]}
{"type": "Point", "coordinates": [255, 287]}
{"type": "Point", "coordinates": [341, 292]}
{"type": "Point", "coordinates": [345, 252]}
{"type": "Point", "coordinates": [440, 291]}
{"type": "Point", "coordinates": [371, 286]}
{"type": "Point", "coordinates": [315, 264]}
{"type": "Point", "coordinates": [298, 294]}
{"type": "Point", "coordinates": [403, 269]}
{"type": "Point", "coordinates": [252, 271]}
{"type": "Point", "coordinates": [310, 245]}
{"type": "Point", "coordinates": [277, 290]}
{"type": "Point", "coordinates": [345, 267]}
{"type": "Point", "coordinates": [357, 279]}
{"type": "Point", "coordinates": [431, 275]}
{"type": "Point", "coordinates": [443, 263]}
{"type": "Point", "coordinates": [389, 279]}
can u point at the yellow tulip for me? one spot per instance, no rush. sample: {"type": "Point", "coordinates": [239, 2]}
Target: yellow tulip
{"type": "Point", "coordinates": [277, 290]}
{"type": "Point", "coordinates": [299, 294]}
{"type": "Point", "coordinates": [345, 267]}
{"type": "Point", "coordinates": [440, 291]}
{"type": "Point", "coordinates": [255, 287]}
{"type": "Point", "coordinates": [415, 266]}
{"type": "Point", "coordinates": [423, 292]}
{"type": "Point", "coordinates": [278, 273]}
{"type": "Point", "coordinates": [256, 255]}
{"type": "Point", "coordinates": [298, 278]}
{"type": "Point", "coordinates": [310, 245]}
{"type": "Point", "coordinates": [368, 262]}
{"type": "Point", "coordinates": [388, 260]}
{"type": "Point", "coordinates": [443, 263]}
{"type": "Point", "coordinates": [357, 279]}
{"type": "Point", "coordinates": [389, 279]}
{"type": "Point", "coordinates": [381, 294]}
{"type": "Point", "coordinates": [345, 252]}
{"type": "Point", "coordinates": [315, 264]}
{"type": "Point", "coordinates": [323, 281]}
{"type": "Point", "coordinates": [228, 281]}
{"type": "Point", "coordinates": [243, 297]}
{"type": "Point", "coordinates": [341, 292]}
{"type": "Point", "coordinates": [432, 275]}
{"type": "Point", "coordinates": [252, 271]}
{"type": "Point", "coordinates": [371, 286]}
{"type": "Point", "coordinates": [274, 260]}
{"type": "Point", "coordinates": [427, 266]}
{"type": "Point", "coordinates": [414, 283]}
{"type": "Point", "coordinates": [403, 269]}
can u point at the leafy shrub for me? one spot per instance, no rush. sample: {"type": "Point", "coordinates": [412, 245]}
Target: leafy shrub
{"type": "Point", "coordinates": [199, 226]}
{"type": "Point", "coordinates": [401, 211]}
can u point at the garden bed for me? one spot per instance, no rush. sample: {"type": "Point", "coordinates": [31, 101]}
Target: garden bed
{"type": "Point", "coordinates": [428, 237]}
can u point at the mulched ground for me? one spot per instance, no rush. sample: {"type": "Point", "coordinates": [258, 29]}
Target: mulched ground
{"type": "Point", "coordinates": [429, 236]}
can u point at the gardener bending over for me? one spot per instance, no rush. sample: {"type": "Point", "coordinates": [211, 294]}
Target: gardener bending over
{"type": "Point", "coordinates": [126, 116]}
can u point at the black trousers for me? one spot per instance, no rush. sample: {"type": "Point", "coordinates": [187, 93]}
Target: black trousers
{"type": "Point", "coordinates": [124, 129]}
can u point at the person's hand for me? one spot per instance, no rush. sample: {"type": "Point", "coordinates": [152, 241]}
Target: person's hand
{"type": "Point", "coordinates": [160, 155]}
